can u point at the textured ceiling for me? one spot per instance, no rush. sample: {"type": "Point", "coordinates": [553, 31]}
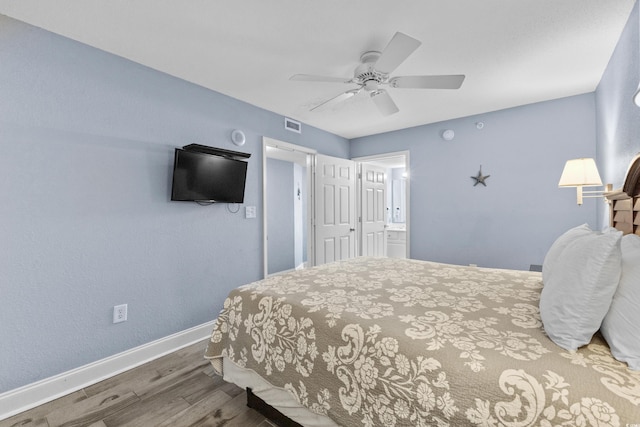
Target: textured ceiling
{"type": "Point", "coordinates": [513, 52]}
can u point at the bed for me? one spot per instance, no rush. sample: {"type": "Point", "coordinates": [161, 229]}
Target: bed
{"type": "Point", "coordinates": [400, 342]}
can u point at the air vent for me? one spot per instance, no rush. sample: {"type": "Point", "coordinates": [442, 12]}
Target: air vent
{"type": "Point", "coordinates": [292, 125]}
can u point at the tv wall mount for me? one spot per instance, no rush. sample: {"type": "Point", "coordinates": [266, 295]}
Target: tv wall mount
{"type": "Point", "coordinates": [216, 151]}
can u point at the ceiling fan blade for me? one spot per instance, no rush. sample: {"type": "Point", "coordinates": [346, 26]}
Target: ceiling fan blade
{"type": "Point", "coordinates": [453, 81]}
{"type": "Point", "coordinates": [312, 78]}
{"type": "Point", "coordinates": [383, 101]}
{"type": "Point", "coordinates": [335, 100]}
{"type": "Point", "coordinates": [398, 49]}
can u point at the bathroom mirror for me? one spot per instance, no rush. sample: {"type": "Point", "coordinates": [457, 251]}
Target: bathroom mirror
{"type": "Point", "coordinates": [398, 195]}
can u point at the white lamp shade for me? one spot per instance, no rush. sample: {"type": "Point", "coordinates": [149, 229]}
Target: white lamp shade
{"type": "Point", "coordinates": [580, 173]}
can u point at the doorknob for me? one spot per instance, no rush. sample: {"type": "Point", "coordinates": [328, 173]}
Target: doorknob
{"type": "Point", "coordinates": [352, 229]}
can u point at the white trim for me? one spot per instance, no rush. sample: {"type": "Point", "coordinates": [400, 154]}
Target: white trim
{"type": "Point", "coordinates": [29, 396]}
{"type": "Point", "coordinates": [403, 153]}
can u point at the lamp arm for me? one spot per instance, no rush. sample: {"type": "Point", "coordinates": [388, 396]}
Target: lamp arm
{"type": "Point", "coordinates": [593, 194]}
{"type": "Point", "coordinates": [579, 194]}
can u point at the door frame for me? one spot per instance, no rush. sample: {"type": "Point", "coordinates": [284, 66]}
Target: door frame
{"type": "Point", "coordinates": [270, 142]}
{"type": "Point", "coordinates": [381, 156]}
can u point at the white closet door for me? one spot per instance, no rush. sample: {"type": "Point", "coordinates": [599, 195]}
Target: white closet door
{"type": "Point", "coordinates": [335, 213]}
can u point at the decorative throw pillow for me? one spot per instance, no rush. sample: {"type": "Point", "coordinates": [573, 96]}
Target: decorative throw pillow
{"type": "Point", "coordinates": [621, 325]}
{"type": "Point", "coordinates": [578, 292]}
{"type": "Point", "coordinates": [551, 259]}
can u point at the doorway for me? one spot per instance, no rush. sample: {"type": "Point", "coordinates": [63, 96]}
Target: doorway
{"type": "Point", "coordinates": [313, 213]}
{"type": "Point", "coordinates": [287, 201]}
{"type": "Point", "coordinates": [397, 202]}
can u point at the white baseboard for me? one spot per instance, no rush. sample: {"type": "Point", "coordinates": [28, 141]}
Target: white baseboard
{"type": "Point", "coordinates": [29, 396]}
{"type": "Point", "coordinates": [298, 267]}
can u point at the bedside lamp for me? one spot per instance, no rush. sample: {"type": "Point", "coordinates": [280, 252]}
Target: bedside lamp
{"type": "Point", "coordinates": [582, 173]}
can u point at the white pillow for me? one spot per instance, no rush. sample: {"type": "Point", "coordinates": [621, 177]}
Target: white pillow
{"type": "Point", "coordinates": [621, 325]}
{"type": "Point", "coordinates": [551, 259]}
{"type": "Point", "coordinates": [579, 290]}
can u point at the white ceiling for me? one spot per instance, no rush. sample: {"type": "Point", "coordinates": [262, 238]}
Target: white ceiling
{"type": "Point", "coordinates": [513, 52]}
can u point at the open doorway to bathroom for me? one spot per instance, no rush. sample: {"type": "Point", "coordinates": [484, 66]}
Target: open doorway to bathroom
{"type": "Point", "coordinates": [396, 209]}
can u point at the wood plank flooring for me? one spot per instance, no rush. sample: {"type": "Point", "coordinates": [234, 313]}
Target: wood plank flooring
{"type": "Point", "coordinates": [177, 390]}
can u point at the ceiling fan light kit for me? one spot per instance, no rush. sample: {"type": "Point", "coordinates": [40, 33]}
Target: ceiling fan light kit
{"type": "Point", "coordinates": [374, 71]}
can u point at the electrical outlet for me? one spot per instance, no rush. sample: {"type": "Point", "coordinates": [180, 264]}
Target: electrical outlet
{"type": "Point", "coordinates": [119, 313]}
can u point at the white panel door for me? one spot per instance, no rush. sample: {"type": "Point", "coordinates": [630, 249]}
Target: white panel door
{"type": "Point", "coordinates": [335, 218]}
{"type": "Point", "coordinates": [374, 201]}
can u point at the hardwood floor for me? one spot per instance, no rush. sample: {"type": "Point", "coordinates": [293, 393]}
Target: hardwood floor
{"type": "Point", "coordinates": [178, 390]}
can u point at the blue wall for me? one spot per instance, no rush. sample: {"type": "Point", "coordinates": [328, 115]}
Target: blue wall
{"type": "Point", "coordinates": [280, 216]}
{"type": "Point", "coordinates": [86, 223]}
{"type": "Point", "coordinates": [618, 118]}
{"type": "Point", "coordinates": [512, 221]}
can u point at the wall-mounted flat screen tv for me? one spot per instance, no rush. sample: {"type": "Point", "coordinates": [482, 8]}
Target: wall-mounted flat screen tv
{"type": "Point", "coordinates": [205, 177]}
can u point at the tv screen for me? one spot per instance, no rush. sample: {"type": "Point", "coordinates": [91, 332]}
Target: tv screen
{"type": "Point", "coordinates": [207, 178]}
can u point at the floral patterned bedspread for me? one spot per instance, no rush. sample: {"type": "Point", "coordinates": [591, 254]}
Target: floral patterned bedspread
{"type": "Point", "coordinates": [390, 342]}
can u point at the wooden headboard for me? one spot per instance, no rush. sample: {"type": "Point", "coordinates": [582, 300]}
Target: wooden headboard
{"type": "Point", "coordinates": [625, 203]}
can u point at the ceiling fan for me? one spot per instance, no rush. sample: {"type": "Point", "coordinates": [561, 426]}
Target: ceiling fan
{"type": "Point", "coordinates": [374, 71]}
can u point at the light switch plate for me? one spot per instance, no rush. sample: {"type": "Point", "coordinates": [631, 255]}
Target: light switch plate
{"type": "Point", "coordinates": [250, 212]}
{"type": "Point", "coordinates": [120, 313]}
